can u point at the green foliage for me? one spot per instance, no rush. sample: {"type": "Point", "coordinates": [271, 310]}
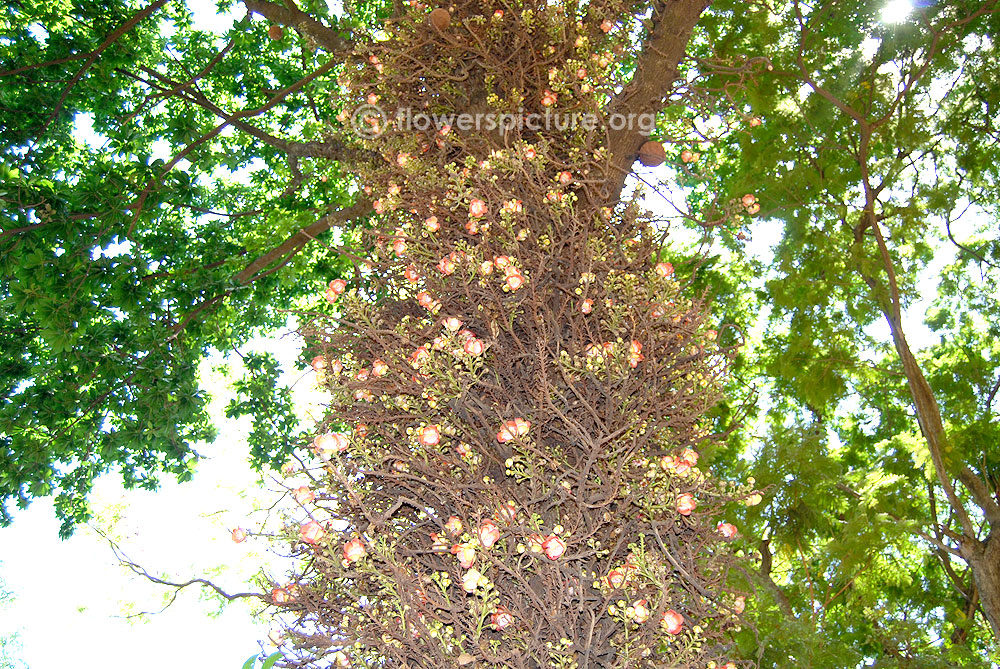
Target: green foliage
{"type": "Point", "coordinates": [118, 273]}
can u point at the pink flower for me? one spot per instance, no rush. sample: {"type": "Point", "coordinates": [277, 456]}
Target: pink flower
{"type": "Point", "coordinates": [607, 26]}
{"type": "Point", "coordinates": [640, 611]}
{"type": "Point", "coordinates": [554, 547]}
{"type": "Point", "coordinates": [318, 363]}
{"type": "Point", "coordinates": [529, 153]}
{"type": "Point", "coordinates": [581, 73]}
{"type": "Point", "coordinates": [311, 532]}
{"type": "Point", "coordinates": [340, 658]}
{"type": "Point", "coordinates": [477, 208]}
{"type": "Point", "coordinates": [501, 262]}
{"type": "Point", "coordinates": [687, 156]}
{"type": "Point", "coordinates": [486, 267]}
{"type": "Point", "coordinates": [454, 526]}
{"type": "Point", "coordinates": [465, 553]}
{"type": "Point", "coordinates": [748, 199]}
{"type": "Point", "coordinates": [754, 122]}
{"type": "Point", "coordinates": [489, 533]}
{"type": "Point", "coordinates": [463, 449]}
{"type": "Point", "coordinates": [372, 99]}
{"type": "Point", "coordinates": [361, 430]}
{"type": "Point", "coordinates": [727, 530]}
{"type": "Point", "coordinates": [452, 324]}
{"type": "Point", "coordinates": [411, 274]}
{"type": "Point", "coordinates": [753, 209]}
{"type": "Point", "coordinates": [472, 227]}
{"type": "Point", "coordinates": [239, 535]}
{"type": "Point", "coordinates": [402, 159]}
{"type": "Point", "coordinates": [549, 98]}
{"type": "Point", "coordinates": [379, 368]}
{"type": "Point", "coordinates": [280, 596]}
{"type": "Point", "coordinates": [672, 622]}
{"type": "Point", "coordinates": [587, 306]}
{"type": "Point", "coordinates": [336, 366]}
{"type": "Point", "coordinates": [686, 504]}
{"type": "Point", "coordinates": [399, 247]}
{"type": "Point", "coordinates": [513, 429]}
{"type": "Point", "coordinates": [354, 550]}
{"type": "Point", "coordinates": [739, 604]}
{"type": "Point", "coordinates": [424, 299]}
{"type": "Point", "coordinates": [664, 269]}
{"type": "Point", "coordinates": [501, 618]}
{"type": "Point", "coordinates": [474, 346]}
{"type": "Point", "coordinates": [430, 436]}
{"type": "Point", "coordinates": [498, 14]}
{"type": "Point", "coordinates": [565, 178]}
{"type": "Point", "coordinates": [431, 223]}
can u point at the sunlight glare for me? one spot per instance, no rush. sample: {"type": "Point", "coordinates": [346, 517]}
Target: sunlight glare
{"type": "Point", "coordinates": [896, 11]}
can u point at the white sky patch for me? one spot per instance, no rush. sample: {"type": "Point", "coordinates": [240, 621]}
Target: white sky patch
{"type": "Point", "coordinates": [76, 590]}
{"type": "Point", "coordinates": [870, 47]}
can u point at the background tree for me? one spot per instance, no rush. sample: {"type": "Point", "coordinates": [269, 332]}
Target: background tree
{"type": "Point", "coordinates": [882, 534]}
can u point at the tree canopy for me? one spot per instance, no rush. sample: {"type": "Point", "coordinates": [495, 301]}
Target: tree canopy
{"type": "Point", "coordinates": [168, 191]}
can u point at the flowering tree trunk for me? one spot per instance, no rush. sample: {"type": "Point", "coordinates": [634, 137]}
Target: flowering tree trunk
{"type": "Point", "coordinates": [518, 383]}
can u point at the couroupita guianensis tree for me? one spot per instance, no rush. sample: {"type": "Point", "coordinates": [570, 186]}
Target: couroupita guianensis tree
{"type": "Point", "coordinates": [518, 384]}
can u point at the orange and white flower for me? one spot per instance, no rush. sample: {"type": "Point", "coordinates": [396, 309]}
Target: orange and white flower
{"type": "Point", "coordinates": [465, 553]}
{"type": "Point", "coordinates": [474, 346]}
{"type": "Point", "coordinates": [354, 550]}
{"type": "Point", "coordinates": [640, 611]}
{"type": "Point", "coordinates": [452, 323]}
{"type": "Point", "coordinates": [686, 504]}
{"type": "Point", "coordinates": [304, 495]}
{"type": "Point", "coordinates": [587, 306]}
{"type": "Point", "coordinates": [664, 269]}
{"type": "Point", "coordinates": [239, 535]}
{"type": "Point", "coordinates": [431, 223]}
{"type": "Point", "coordinates": [501, 618]}
{"type": "Point", "coordinates": [554, 547]}
{"type": "Point", "coordinates": [513, 429]}
{"type": "Point", "coordinates": [471, 580]}
{"type": "Point", "coordinates": [330, 442]}
{"type": "Point", "coordinates": [454, 526]}
{"type": "Point", "coordinates": [489, 534]}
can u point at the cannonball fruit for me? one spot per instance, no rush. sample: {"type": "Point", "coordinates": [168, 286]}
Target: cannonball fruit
{"type": "Point", "coordinates": [652, 154]}
{"type": "Point", "coordinates": [275, 32]}
{"type": "Point", "coordinates": [440, 18]}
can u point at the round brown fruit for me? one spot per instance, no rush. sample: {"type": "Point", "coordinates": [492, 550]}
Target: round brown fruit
{"type": "Point", "coordinates": [652, 154]}
{"type": "Point", "coordinates": [275, 32]}
{"type": "Point", "coordinates": [440, 18]}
